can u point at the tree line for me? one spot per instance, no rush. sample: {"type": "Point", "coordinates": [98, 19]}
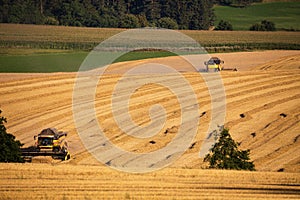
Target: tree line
{"type": "Point", "coordinates": [181, 14]}
{"type": "Point", "coordinates": [172, 14]}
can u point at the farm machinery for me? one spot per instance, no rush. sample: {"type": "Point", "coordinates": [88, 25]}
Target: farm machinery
{"type": "Point", "coordinates": [49, 142]}
{"type": "Point", "coordinates": [215, 64]}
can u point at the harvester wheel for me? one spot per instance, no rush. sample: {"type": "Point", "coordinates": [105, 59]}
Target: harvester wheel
{"type": "Point", "coordinates": [66, 157]}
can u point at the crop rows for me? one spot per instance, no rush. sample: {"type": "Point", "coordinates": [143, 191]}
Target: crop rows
{"type": "Point", "coordinates": [59, 37]}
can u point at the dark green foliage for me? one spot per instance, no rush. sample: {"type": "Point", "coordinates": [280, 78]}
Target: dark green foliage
{"type": "Point", "coordinates": [188, 14]}
{"type": "Point", "coordinates": [224, 26]}
{"type": "Point", "coordinates": [9, 147]}
{"type": "Point", "coordinates": [168, 23]}
{"type": "Point", "coordinates": [263, 26]}
{"type": "Point", "coordinates": [143, 22]}
{"type": "Point", "coordinates": [129, 21]}
{"type": "Point", "coordinates": [226, 155]}
{"type": "Point", "coordinates": [50, 21]}
{"type": "Point", "coordinates": [236, 3]}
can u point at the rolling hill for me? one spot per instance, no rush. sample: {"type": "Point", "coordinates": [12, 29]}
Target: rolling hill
{"type": "Point", "coordinates": [262, 113]}
{"type": "Point", "coordinates": [32, 102]}
{"type": "Point", "coordinates": [285, 15]}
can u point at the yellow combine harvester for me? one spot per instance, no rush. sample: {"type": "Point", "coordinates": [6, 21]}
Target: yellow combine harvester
{"type": "Point", "coordinates": [49, 142]}
{"type": "Point", "coordinates": [215, 64]}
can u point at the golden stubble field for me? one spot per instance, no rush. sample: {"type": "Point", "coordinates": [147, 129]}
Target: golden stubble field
{"type": "Point", "coordinates": [262, 113]}
{"type": "Point", "coordinates": [64, 181]}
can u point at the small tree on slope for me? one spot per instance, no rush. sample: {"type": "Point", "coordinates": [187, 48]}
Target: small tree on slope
{"type": "Point", "coordinates": [226, 155]}
{"type": "Point", "coordinates": [9, 147]}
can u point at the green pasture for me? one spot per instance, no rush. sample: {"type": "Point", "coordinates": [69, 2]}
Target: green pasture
{"type": "Point", "coordinates": [31, 61]}
{"type": "Point", "coordinates": [285, 15]}
{"type": "Point", "coordinates": [51, 62]}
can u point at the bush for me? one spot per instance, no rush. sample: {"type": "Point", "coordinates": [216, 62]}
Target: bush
{"type": "Point", "coordinates": [51, 21]}
{"type": "Point", "coordinates": [9, 147]}
{"type": "Point", "coordinates": [226, 155]}
{"type": "Point", "coordinates": [129, 21]}
{"type": "Point", "coordinates": [263, 26]}
{"type": "Point", "coordinates": [224, 26]}
{"type": "Point", "coordinates": [142, 20]}
{"type": "Point", "coordinates": [167, 22]}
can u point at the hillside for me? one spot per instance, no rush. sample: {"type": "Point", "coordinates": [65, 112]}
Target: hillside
{"type": "Point", "coordinates": [262, 113]}
{"type": "Point", "coordinates": [285, 15]}
{"type": "Point", "coordinates": [32, 102]}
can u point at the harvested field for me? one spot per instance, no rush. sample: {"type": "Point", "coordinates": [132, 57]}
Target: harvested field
{"type": "Point", "coordinates": [262, 113]}
{"type": "Point", "coordinates": [43, 181]}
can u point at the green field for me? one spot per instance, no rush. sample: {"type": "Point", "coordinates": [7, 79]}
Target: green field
{"type": "Point", "coordinates": [285, 15]}
{"type": "Point", "coordinates": [61, 61]}
{"type": "Point", "coordinates": [51, 62]}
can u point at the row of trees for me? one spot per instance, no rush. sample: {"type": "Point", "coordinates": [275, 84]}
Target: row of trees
{"type": "Point", "coordinates": [182, 14]}
{"type": "Point", "coordinates": [171, 14]}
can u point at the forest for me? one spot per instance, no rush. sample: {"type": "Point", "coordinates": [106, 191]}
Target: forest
{"type": "Point", "coordinates": [172, 14]}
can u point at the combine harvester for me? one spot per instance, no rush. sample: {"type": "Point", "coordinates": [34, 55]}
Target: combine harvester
{"type": "Point", "coordinates": [49, 142]}
{"type": "Point", "coordinates": [215, 64]}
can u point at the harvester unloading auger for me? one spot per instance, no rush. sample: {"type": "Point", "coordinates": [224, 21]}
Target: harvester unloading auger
{"type": "Point", "coordinates": [215, 64]}
{"type": "Point", "coordinates": [49, 142]}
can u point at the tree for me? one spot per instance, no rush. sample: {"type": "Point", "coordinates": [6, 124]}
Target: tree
{"type": "Point", "coordinates": [263, 26]}
{"type": "Point", "coordinates": [152, 10]}
{"type": "Point", "coordinates": [226, 155]}
{"type": "Point", "coordinates": [129, 21]}
{"type": "Point", "coordinates": [257, 27]}
{"type": "Point", "coordinates": [168, 23]}
{"type": "Point", "coordinates": [9, 147]}
{"type": "Point", "coordinates": [269, 26]}
{"type": "Point", "coordinates": [188, 14]}
{"type": "Point", "coordinates": [142, 20]}
{"type": "Point", "coordinates": [224, 26]}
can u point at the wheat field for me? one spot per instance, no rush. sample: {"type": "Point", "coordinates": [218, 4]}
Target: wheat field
{"type": "Point", "coordinates": [262, 113]}
{"type": "Point", "coordinates": [64, 181]}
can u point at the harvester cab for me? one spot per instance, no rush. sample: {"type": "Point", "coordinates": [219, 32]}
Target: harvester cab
{"type": "Point", "coordinates": [51, 139]}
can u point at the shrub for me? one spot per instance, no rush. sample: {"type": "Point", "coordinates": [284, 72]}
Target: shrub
{"type": "Point", "coordinates": [224, 26]}
{"type": "Point", "coordinates": [167, 22]}
{"type": "Point", "coordinates": [9, 147]}
{"type": "Point", "coordinates": [263, 26]}
{"type": "Point", "coordinates": [142, 20]}
{"type": "Point", "coordinates": [129, 21]}
{"type": "Point", "coordinates": [51, 21]}
{"type": "Point", "coordinates": [226, 155]}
